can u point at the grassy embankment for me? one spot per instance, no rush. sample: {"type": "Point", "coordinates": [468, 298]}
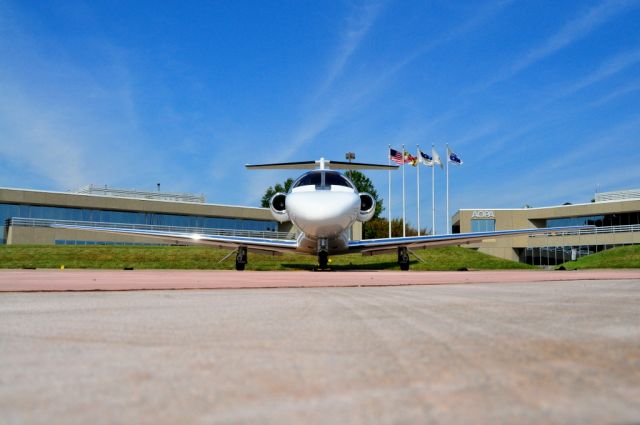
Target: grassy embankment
{"type": "Point", "coordinates": [624, 257]}
{"type": "Point", "coordinates": [194, 257]}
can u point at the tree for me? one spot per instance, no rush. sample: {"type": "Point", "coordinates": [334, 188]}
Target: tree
{"type": "Point", "coordinates": [379, 228]}
{"type": "Point", "coordinates": [364, 184]}
{"type": "Point", "coordinates": [264, 203]}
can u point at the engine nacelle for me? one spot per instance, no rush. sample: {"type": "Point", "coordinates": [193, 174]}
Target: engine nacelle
{"type": "Point", "coordinates": [278, 207]}
{"type": "Point", "coordinates": [367, 207]}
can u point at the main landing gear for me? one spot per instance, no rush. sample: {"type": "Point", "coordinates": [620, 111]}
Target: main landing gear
{"type": "Point", "coordinates": [241, 258]}
{"type": "Point", "coordinates": [403, 258]}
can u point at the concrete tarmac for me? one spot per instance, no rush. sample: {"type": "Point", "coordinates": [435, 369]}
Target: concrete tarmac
{"type": "Point", "coordinates": [525, 353]}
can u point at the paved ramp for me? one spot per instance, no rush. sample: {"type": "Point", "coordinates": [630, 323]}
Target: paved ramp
{"type": "Point", "coordinates": [516, 353]}
{"type": "Point", "coordinates": [121, 280]}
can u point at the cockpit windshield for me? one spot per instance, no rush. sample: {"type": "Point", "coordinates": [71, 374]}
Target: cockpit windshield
{"type": "Point", "coordinates": [322, 180]}
{"type": "Point", "coordinates": [333, 178]}
{"type": "Point", "coordinates": [312, 178]}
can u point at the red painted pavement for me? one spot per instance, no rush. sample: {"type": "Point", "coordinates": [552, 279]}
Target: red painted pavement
{"type": "Point", "coordinates": [122, 280]}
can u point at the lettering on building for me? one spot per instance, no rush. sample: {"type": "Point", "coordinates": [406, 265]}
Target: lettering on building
{"type": "Point", "coordinates": [483, 214]}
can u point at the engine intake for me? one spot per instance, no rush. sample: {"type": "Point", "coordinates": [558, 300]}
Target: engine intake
{"type": "Point", "coordinates": [367, 207]}
{"type": "Point", "coordinates": [278, 205]}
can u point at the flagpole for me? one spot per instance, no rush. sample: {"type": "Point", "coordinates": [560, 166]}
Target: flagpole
{"type": "Point", "coordinates": [389, 203]}
{"type": "Point", "coordinates": [433, 194]}
{"type": "Point", "coordinates": [404, 227]}
{"type": "Point", "coordinates": [418, 184]}
{"type": "Point", "coordinates": [447, 153]}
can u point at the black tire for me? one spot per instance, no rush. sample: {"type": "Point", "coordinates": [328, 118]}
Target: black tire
{"type": "Point", "coordinates": [323, 260]}
{"type": "Point", "coordinates": [404, 267]}
{"type": "Point", "coordinates": [240, 266]}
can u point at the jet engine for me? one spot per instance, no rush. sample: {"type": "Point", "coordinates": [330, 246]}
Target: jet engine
{"type": "Point", "coordinates": [367, 207]}
{"type": "Point", "coordinates": [278, 207]}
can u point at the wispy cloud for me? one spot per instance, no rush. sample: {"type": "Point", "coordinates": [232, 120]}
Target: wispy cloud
{"type": "Point", "coordinates": [607, 69]}
{"type": "Point", "coordinates": [571, 32]}
{"type": "Point", "coordinates": [480, 17]}
{"type": "Point", "coordinates": [626, 89]}
{"type": "Point", "coordinates": [358, 24]}
{"type": "Point", "coordinates": [68, 123]}
{"type": "Point", "coordinates": [328, 105]}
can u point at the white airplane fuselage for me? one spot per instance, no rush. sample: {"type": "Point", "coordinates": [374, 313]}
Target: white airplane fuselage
{"type": "Point", "coordinates": [322, 211]}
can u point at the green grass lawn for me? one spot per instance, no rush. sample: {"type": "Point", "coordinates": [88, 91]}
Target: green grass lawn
{"type": "Point", "coordinates": [195, 257]}
{"type": "Point", "coordinates": [624, 257]}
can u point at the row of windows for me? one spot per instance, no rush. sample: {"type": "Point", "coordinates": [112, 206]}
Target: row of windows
{"type": "Point", "coordinates": [622, 219]}
{"type": "Point", "coordinates": [109, 243]}
{"type": "Point", "coordinates": [483, 225]}
{"type": "Point", "coordinates": [129, 217]}
{"type": "Point", "coordinates": [555, 255]}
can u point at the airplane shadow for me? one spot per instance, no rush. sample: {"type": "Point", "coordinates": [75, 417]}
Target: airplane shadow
{"type": "Point", "coordinates": [387, 265]}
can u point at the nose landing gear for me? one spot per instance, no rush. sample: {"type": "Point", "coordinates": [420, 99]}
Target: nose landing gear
{"type": "Point", "coordinates": [403, 258]}
{"type": "Point", "coordinates": [323, 254]}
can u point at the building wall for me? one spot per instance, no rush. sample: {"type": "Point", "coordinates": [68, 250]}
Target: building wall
{"type": "Point", "coordinates": [523, 218]}
{"type": "Point", "coordinates": [43, 235]}
{"type": "Point", "coordinates": [72, 200]}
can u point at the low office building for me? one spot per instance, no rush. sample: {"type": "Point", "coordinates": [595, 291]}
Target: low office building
{"type": "Point", "coordinates": [26, 216]}
{"type": "Point", "coordinates": [615, 215]}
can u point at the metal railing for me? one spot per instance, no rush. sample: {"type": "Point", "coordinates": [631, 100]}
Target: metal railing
{"type": "Point", "coordinates": [140, 194]}
{"type": "Point", "coordinates": [592, 231]}
{"type": "Point", "coordinates": [43, 222]}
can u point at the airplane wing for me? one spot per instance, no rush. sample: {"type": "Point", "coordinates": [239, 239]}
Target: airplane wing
{"type": "Point", "coordinates": [380, 246]}
{"type": "Point", "coordinates": [259, 245]}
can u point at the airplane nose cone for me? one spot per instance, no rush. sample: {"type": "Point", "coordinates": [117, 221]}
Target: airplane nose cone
{"type": "Point", "coordinates": [323, 213]}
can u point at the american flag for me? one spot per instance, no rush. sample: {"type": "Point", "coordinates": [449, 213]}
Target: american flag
{"type": "Point", "coordinates": [396, 156]}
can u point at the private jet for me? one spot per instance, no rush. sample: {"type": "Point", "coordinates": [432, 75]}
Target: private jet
{"type": "Point", "coordinates": [323, 204]}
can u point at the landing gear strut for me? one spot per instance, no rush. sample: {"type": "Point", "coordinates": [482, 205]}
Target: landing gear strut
{"type": "Point", "coordinates": [241, 258]}
{"type": "Point", "coordinates": [403, 258]}
{"type": "Point", "coordinates": [323, 254]}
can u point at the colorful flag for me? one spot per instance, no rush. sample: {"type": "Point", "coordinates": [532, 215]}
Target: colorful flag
{"type": "Point", "coordinates": [425, 159]}
{"type": "Point", "coordinates": [410, 159]}
{"type": "Point", "coordinates": [436, 157]}
{"type": "Point", "coordinates": [452, 157]}
{"type": "Point", "coordinates": [396, 156]}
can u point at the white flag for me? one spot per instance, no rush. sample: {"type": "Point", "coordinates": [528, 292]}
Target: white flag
{"type": "Point", "coordinates": [436, 157]}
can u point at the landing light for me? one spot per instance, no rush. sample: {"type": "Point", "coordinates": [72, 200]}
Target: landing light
{"type": "Point", "coordinates": [196, 237]}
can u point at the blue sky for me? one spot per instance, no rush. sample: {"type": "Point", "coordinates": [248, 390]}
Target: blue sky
{"type": "Point", "coordinates": [541, 99]}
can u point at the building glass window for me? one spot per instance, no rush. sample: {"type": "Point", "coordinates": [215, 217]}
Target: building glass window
{"type": "Point", "coordinates": [483, 225]}
{"type": "Point", "coordinates": [620, 219]}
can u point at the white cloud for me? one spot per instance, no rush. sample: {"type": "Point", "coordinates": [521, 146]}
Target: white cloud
{"type": "Point", "coordinates": [571, 32]}
{"type": "Point", "coordinates": [358, 25]}
{"type": "Point", "coordinates": [621, 91]}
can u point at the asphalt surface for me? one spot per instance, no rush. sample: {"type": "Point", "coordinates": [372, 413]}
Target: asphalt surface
{"type": "Point", "coordinates": [526, 353]}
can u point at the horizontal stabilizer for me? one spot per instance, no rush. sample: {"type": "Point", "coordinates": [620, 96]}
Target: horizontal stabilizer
{"type": "Point", "coordinates": [323, 163]}
{"type": "Point", "coordinates": [300, 165]}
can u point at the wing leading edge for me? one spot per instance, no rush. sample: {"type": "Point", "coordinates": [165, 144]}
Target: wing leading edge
{"type": "Point", "coordinates": [227, 242]}
{"type": "Point", "coordinates": [378, 246]}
